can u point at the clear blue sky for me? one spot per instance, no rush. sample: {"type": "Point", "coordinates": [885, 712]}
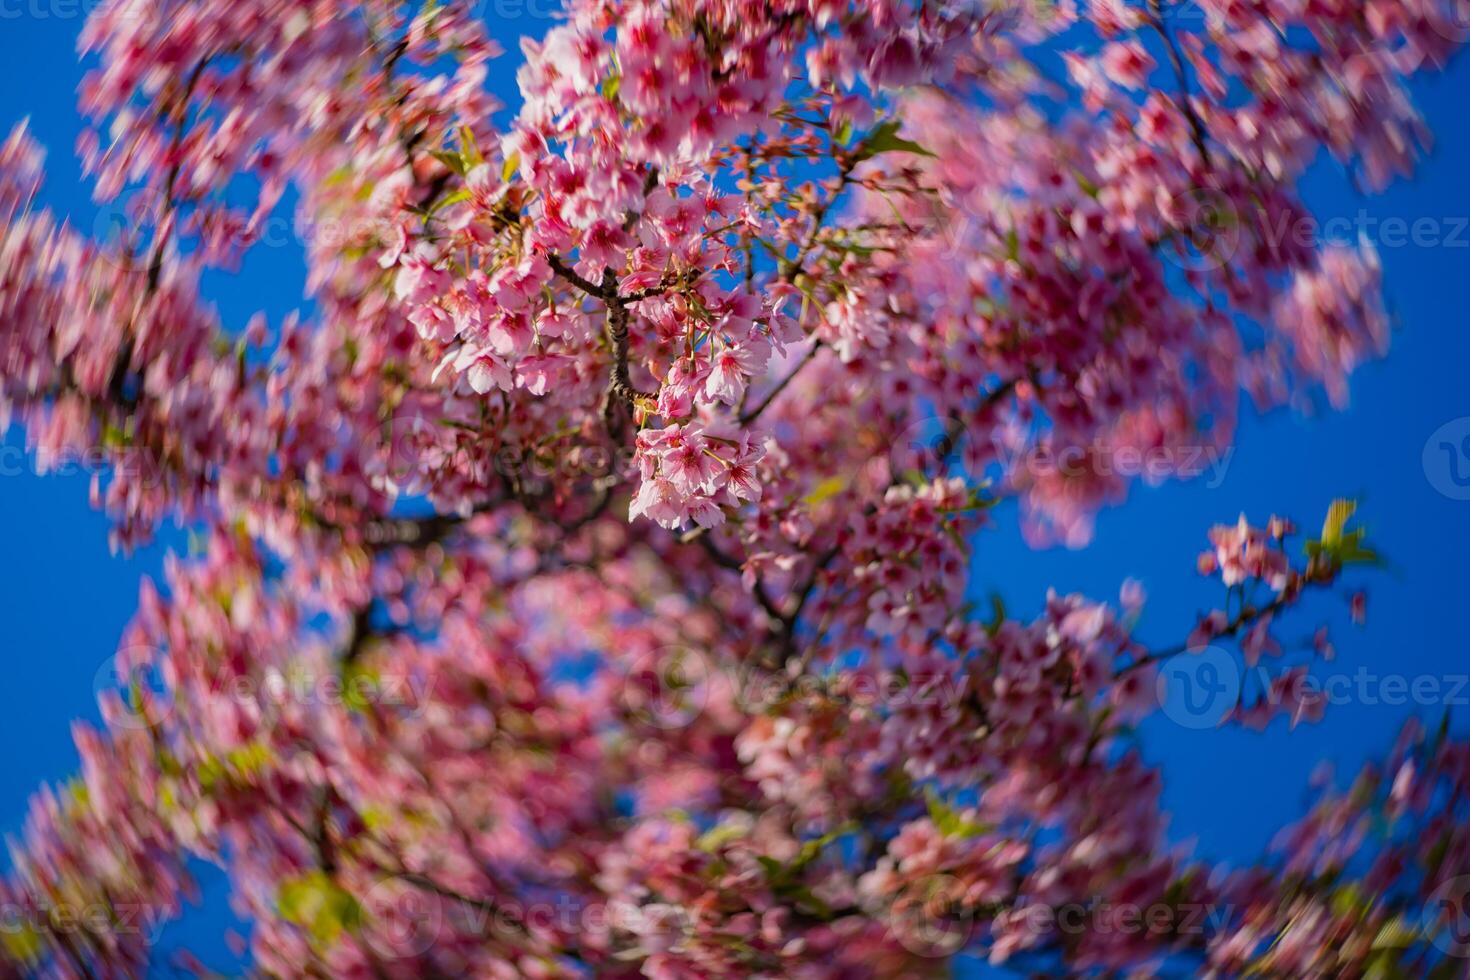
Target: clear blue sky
{"type": "Point", "coordinates": [65, 598]}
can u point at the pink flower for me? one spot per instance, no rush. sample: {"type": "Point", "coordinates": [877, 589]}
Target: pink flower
{"type": "Point", "coordinates": [418, 279]}
{"type": "Point", "coordinates": [659, 500]}
{"type": "Point", "coordinates": [730, 369]}
{"type": "Point", "coordinates": [1127, 64]}
{"type": "Point", "coordinates": [1242, 552]}
{"type": "Point", "coordinates": [484, 369]}
{"type": "Point", "coordinates": [472, 620]}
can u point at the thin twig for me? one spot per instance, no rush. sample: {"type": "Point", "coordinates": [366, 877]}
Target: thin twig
{"type": "Point", "coordinates": [1176, 57]}
{"type": "Point", "coordinates": [575, 278]}
{"type": "Point", "coordinates": [753, 414]}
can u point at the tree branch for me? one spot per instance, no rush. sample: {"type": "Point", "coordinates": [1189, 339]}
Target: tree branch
{"type": "Point", "coordinates": [1155, 17]}
{"type": "Point", "coordinates": [755, 413]}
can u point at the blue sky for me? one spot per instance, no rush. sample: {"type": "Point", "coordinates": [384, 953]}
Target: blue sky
{"type": "Point", "coordinates": [65, 598]}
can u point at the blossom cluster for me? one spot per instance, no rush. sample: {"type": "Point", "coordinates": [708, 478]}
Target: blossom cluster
{"type": "Point", "coordinates": [730, 680]}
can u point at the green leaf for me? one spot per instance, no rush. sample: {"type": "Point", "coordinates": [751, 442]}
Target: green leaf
{"type": "Point", "coordinates": [1349, 901]}
{"type": "Point", "coordinates": [451, 160]}
{"type": "Point", "coordinates": [1396, 933]}
{"type": "Point", "coordinates": [468, 148]}
{"type": "Point", "coordinates": [1340, 544]}
{"type": "Point", "coordinates": [998, 614]}
{"type": "Point", "coordinates": [1088, 187]}
{"type": "Point", "coordinates": [803, 895]}
{"type": "Point", "coordinates": [359, 681]}
{"type": "Point", "coordinates": [236, 768]}
{"type": "Point", "coordinates": [460, 195]}
{"type": "Point", "coordinates": [884, 138]}
{"type": "Point", "coordinates": [783, 877]}
{"type": "Point", "coordinates": [1382, 965]}
{"type": "Point", "coordinates": [826, 490]}
{"type": "Point", "coordinates": [1337, 518]}
{"type": "Point", "coordinates": [250, 758]}
{"type": "Point", "coordinates": [22, 943]}
{"type": "Point", "coordinates": [114, 437]}
{"type": "Point", "coordinates": [812, 849]}
{"type": "Point", "coordinates": [950, 822]}
{"type": "Point", "coordinates": [716, 837]}
{"type": "Point", "coordinates": [316, 902]}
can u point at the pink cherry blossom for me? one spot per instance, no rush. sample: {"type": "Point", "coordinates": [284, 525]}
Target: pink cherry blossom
{"type": "Point", "coordinates": [587, 583]}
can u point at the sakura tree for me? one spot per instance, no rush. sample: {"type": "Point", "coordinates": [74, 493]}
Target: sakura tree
{"type": "Point", "coordinates": [583, 581]}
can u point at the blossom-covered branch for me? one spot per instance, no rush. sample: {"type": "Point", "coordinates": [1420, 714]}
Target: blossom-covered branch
{"type": "Point", "coordinates": [584, 585]}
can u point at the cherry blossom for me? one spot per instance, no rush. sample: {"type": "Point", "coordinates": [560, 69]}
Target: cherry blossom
{"type": "Point", "coordinates": [586, 583]}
